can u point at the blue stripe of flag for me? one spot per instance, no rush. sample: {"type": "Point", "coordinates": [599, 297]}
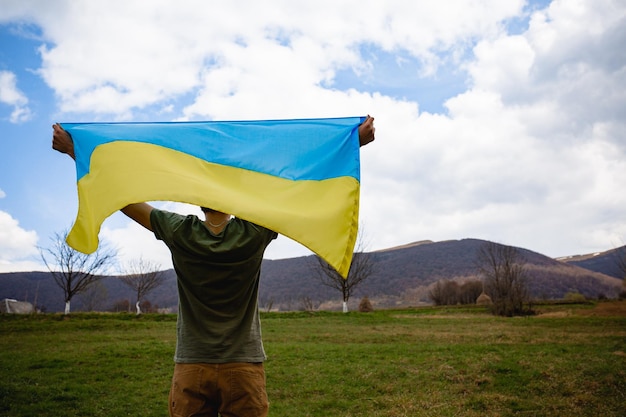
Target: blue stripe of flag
{"type": "Point", "coordinates": [296, 149]}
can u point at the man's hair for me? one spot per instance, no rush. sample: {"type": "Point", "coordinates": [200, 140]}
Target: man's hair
{"type": "Point", "coordinates": [207, 210]}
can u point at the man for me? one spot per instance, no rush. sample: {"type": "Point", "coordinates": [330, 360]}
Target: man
{"type": "Point", "coordinates": [219, 352]}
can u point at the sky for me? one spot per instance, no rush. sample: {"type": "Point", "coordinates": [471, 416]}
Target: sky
{"type": "Point", "coordinates": [502, 120]}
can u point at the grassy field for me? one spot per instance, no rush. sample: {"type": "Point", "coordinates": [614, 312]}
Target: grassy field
{"type": "Point", "coordinates": [570, 361]}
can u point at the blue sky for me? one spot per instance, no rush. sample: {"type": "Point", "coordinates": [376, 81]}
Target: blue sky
{"type": "Point", "coordinates": [496, 119]}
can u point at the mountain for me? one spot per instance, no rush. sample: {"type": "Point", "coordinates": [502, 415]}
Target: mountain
{"type": "Point", "coordinates": [607, 262]}
{"type": "Point", "coordinates": [402, 277]}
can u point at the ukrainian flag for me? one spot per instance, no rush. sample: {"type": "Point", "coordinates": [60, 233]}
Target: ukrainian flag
{"type": "Point", "coordinates": [299, 178]}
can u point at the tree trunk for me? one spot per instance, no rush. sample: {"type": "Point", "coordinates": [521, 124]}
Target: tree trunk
{"type": "Point", "coordinates": [345, 306]}
{"type": "Point", "coordinates": [138, 308]}
{"type": "Point", "coordinates": [67, 307]}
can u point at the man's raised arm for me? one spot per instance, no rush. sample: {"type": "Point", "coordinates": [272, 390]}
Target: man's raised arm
{"type": "Point", "coordinates": [62, 142]}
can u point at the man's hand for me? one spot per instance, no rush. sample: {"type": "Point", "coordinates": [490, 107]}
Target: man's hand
{"type": "Point", "coordinates": [366, 131]}
{"type": "Point", "coordinates": [62, 141]}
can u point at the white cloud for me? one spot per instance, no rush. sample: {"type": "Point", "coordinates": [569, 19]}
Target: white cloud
{"type": "Point", "coordinates": [119, 56]}
{"type": "Point", "coordinates": [532, 154]}
{"type": "Point", "coordinates": [513, 150]}
{"type": "Point", "coordinates": [133, 242]}
{"type": "Point", "coordinates": [11, 95]}
{"type": "Point", "coordinates": [18, 247]}
{"type": "Point", "coordinates": [567, 65]}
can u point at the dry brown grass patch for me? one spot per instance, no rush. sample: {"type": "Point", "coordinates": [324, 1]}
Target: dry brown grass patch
{"type": "Point", "coordinates": [606, 309]}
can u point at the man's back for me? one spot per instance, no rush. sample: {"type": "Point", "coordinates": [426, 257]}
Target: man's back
{"type": "Point", "coordinates": [218, 281]}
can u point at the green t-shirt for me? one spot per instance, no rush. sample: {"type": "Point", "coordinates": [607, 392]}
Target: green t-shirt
{"type": "Point", "coordinates": [218, 285]}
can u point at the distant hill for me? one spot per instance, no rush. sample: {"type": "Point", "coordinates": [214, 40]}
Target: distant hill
{"type": "Point", "coordinates": [604, 262]}
{"type": "Point", "coordinates": [402, 278]}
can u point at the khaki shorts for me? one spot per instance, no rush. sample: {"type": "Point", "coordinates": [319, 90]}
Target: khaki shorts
{"type": "Point", "coordinates": [230, 389]}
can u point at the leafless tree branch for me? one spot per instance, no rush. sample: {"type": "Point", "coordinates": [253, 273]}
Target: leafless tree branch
{"type": "Point", "coordinates": [73, 271]}
{"type": "Point", "coordinates": [142, 276]}
{"type": "Point", "coordinates": [361, 268]}
{"type": "Point", "coordinates": [502, 268]}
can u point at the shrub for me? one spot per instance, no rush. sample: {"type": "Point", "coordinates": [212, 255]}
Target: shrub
{"type": "Point", "coordinates": [574, 296]}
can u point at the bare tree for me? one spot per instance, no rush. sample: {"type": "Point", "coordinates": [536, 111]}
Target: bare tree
{"type": "Point", "coordinates": [308, 304]}
{"type": "Point", "coordinates": [142, 276]}
{"type": "Point", "coordinates": [469, 291]}
{"type": "Point", "coordinates": [267, 304]}
{"type": "Point", "coordinates": [450, 292]}
{"type": "Point", "coordinates": [75, 271]}
{"type": "Point", "coordinates": [502, 268]}
{"type": "Point", "coordinates": [362, 267]}
{"type": "Point", "coordinates": [444, 292]}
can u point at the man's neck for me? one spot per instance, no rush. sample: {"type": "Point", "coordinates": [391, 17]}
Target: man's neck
{"type": "Point", "coordinates": [216, 220]}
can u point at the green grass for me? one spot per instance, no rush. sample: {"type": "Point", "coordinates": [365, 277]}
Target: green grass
{"type": "Point", "coordinates": [414, 362]}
